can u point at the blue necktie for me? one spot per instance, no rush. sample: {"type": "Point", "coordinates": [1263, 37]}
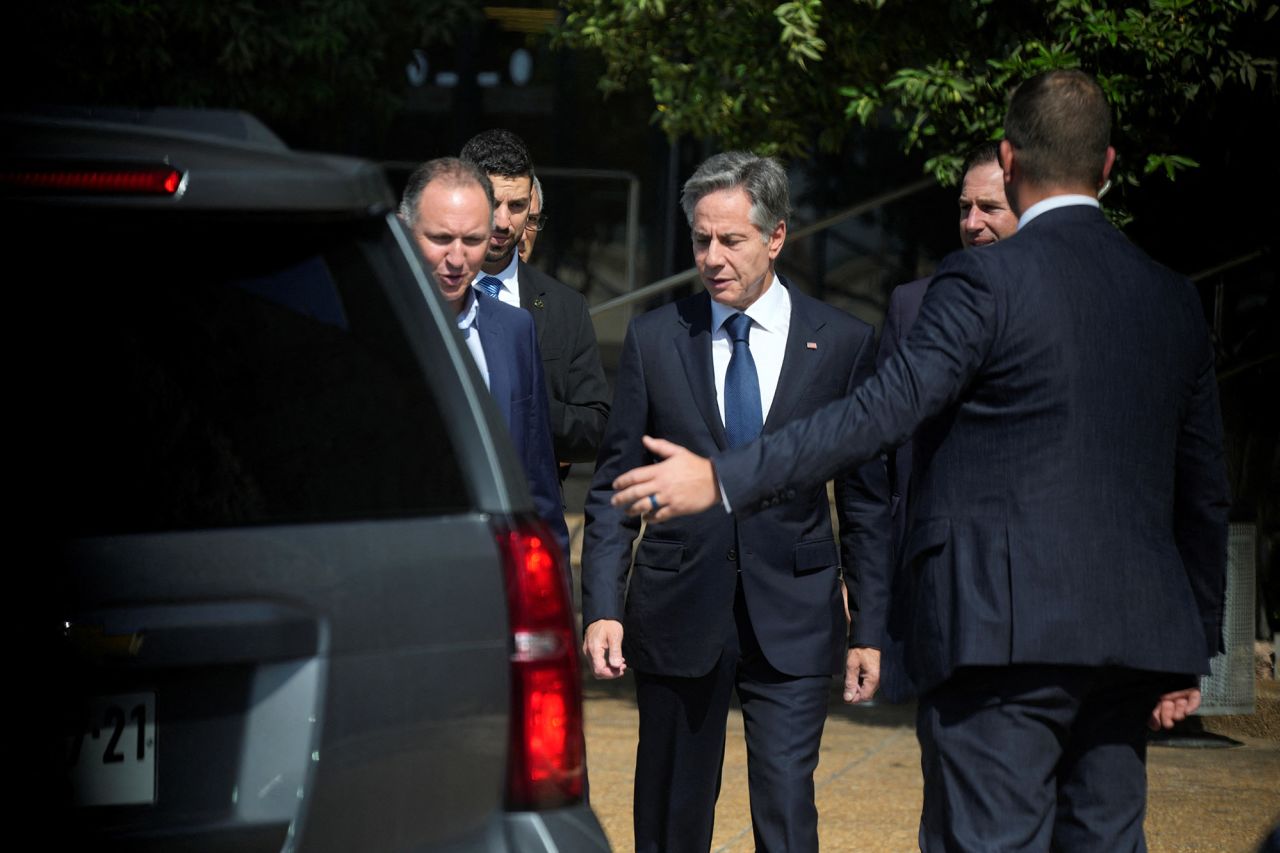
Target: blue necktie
{"type": "Point", "coordinates": [490, 285]}
{"type": "Point", "coordinates": [742, 413]}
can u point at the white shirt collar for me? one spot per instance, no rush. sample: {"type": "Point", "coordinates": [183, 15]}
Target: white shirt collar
{"type": "Point", "coordinates": [508, 277]}
{"type": "Point", "coordinates": [470, 312]}
{"type": "Point", "coordinates": [1052, 203]}
{"type": "Point", "coordinates": [769, 311]}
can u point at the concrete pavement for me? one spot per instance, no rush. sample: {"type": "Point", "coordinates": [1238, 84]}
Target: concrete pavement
{"type": "Point", "coordinates": [868, 782]}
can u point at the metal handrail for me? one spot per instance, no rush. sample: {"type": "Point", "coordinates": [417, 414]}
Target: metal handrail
{"type": "Point", "coordinates": [1226, 265]}
{"type": "Point", "coordinates": [672, 281]}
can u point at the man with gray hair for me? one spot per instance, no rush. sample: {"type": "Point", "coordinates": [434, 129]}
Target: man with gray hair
{"type": "Point", "coordinates": [713, 607]}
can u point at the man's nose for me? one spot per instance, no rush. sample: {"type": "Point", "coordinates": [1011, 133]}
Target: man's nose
{"type": "Point", "coordinates": [712, 256]}
{"type": "Point", "coordinates": [974, 221]}
{"type": "Point", "coordinates": [455, 256]}
{"type": "Point", "coordinates": [501, 218]}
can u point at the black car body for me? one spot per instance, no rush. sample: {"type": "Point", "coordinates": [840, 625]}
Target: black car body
{"type": "Point", "coordinates": [295, 595]}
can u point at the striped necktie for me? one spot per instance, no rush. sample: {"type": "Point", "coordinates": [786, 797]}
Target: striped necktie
{"type": "Point", "coordinates": [490, 285]}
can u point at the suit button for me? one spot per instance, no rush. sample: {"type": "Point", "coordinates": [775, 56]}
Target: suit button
{"type": "Point", "coordinates": [732, 555]}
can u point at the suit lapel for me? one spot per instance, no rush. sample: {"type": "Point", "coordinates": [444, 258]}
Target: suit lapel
{"type": "Point", "coordinates": [531, 288]}
{"type": "Point", "coordinates": [693, 343]}
{"type": "Point", "coordinates": [799, 362]}
{"type": "Point", "coordinates": [493, 340]}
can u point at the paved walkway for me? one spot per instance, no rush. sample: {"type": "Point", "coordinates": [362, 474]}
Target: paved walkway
{"type": "Point", "coordinates": [868, 782]}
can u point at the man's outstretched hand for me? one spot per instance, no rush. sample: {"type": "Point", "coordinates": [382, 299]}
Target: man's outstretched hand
{"type": "Point", "coordinates": [683, 483]}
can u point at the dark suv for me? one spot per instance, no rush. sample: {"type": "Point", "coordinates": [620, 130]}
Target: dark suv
{"type": "Point", "coordinates": [297, 597]}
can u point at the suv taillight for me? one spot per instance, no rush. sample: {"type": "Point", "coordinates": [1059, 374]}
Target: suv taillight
{"type": "Point", "coordinates": [545, 758]}
{"type": "Point", "coordinates": [112, 180]}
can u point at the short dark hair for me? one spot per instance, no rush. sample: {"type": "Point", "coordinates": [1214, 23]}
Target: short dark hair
{"type": "Point", "coordinates": [1060, 124]}
{"type": "Point", "coordinates": [981, 155]}
{"type": "Point", "coordinates": [453, 171]}
{"type": "Point", "coordinates": [762, 178]}
{"type": "Point", "coordinates": [499, 152]}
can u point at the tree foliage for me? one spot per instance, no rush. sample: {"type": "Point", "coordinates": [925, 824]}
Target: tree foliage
{"type": "Point", "coordinates": [786, 77]}
{"type": "Point", "coordinates": [317, 70]}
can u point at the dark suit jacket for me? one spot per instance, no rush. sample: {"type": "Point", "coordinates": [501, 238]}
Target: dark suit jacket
{"type": "Point", "coordinates": [1070, 498]}
{"type": "Point", "coordinates": [576, 387]}
{"type": "Point", "coordinates": [895, 684]}
{"type": "Point", "coordinates": [904, 305]}
{"type": "Point", "coordinates": [515, 381]}
{"type": "Point", "coordinates": [677, 610]}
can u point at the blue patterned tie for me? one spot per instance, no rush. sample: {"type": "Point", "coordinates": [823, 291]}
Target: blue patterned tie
{"type": "Point", "coordinates": [742, 413]}
{"type": "Point", "coordinates": [490, 285]}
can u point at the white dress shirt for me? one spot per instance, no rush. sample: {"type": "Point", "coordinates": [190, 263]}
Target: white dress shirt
{"type": "Point", "coordinates": [468, 324]}
{"type": "Point", "coordinates": [770, 322]}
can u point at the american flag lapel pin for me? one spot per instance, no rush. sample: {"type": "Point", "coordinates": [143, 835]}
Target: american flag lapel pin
{"type": "Point", "coordinates": [811, 345]}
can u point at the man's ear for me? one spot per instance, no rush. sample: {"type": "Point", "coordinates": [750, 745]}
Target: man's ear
{"type": "Point", "coordinates": [777, 238]}
{"type": "Point", "coordinates": [1107, 163]}
{"type": "Point", "coordinates": [1007, 160]}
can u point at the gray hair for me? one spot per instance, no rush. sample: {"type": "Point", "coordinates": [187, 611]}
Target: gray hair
{"type": "Point", "coordinates": [761, 178]}
{"type": "Point", "coordinates": [537, 191]}
{"type": "Point", "coordinates": [451, 170]}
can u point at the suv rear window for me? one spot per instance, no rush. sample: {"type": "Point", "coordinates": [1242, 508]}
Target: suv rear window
{"type": "Point", "coordinates": [205, 372]}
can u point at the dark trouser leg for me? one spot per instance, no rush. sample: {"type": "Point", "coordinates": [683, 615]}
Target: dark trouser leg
{"type": "Point", "coordinates": [1035, 758]}
{"type": "Point", "coordinates": [990, 739]}
{"type": "Point", "coordinates": [1102, 778]}
{"type": "Point", "coordinates": [783, 717]}
{"type": "Point", "coordinates": [678, 759]}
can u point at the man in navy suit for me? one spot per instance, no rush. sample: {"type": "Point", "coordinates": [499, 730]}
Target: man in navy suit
{"type": "Point", "coordinates": [985, 218]}
{"type": "Point", "coordinates": [577, 392]}
{"type": "Point", "coordinates": [448, 206]}
{"type": "Point", "coordinates": [714, 606]}
{"type": "Point", "coordinates": [1068, 527]}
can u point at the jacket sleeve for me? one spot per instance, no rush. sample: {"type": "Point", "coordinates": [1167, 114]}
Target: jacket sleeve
{"type": "Point", "coordinates": [862, 508]}
{"type": "Point", "coordinates": [609, 533]}
{"type": "Point", "coordinates": [578, 421]}
{"type": "Point", "coordinates": [540, 460]}
{"type": "Point", "coordinates": [897, 459]}
{"type": "Point", "coordinates": [1202, 499]}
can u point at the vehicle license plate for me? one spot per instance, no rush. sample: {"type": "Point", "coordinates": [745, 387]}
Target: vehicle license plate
{"type": "Point", "coordinates": [113, 758]}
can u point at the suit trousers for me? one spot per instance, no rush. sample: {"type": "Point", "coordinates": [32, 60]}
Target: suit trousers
{"type": "Point", "coordinates": [680, 755]}
{"type": "Point", "coordinates": [1037, 758]}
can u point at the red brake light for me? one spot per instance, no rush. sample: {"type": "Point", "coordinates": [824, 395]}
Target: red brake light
{"type": "Point", "coordinates": [545, 756]}
{"type": "Point", "coordinates": [115, 180]}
